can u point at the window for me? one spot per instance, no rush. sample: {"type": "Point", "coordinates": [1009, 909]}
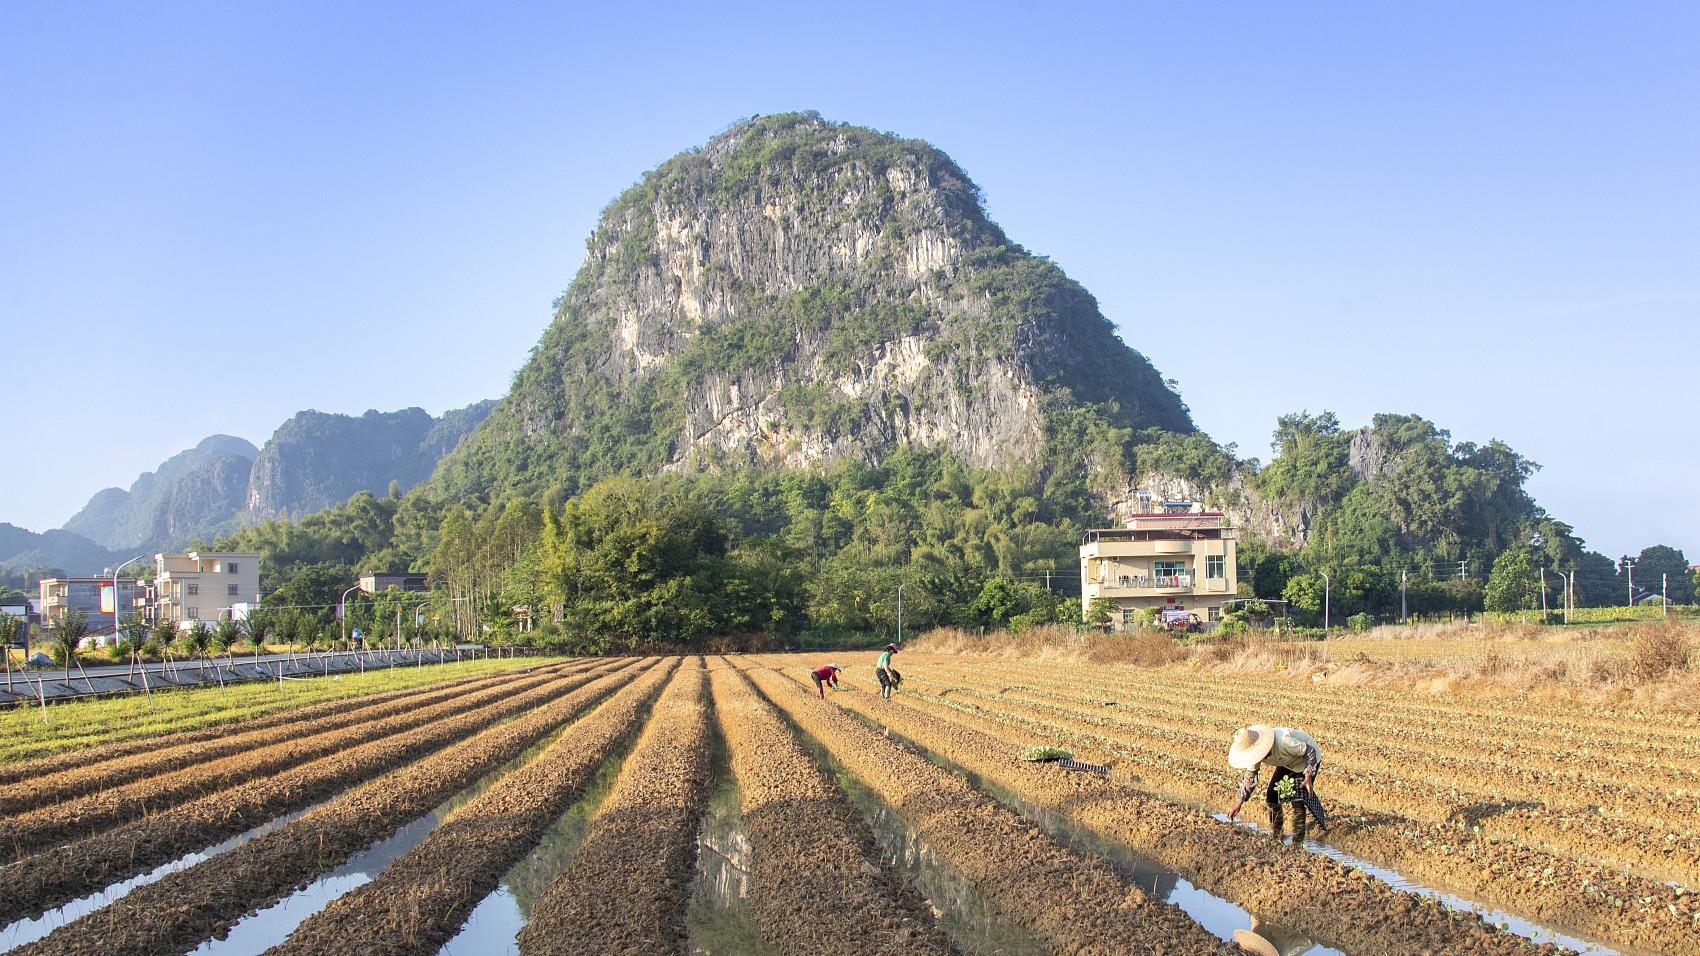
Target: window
{"type": "Point", "coordinates": [1215, 566]}
{"type": "Point", "coordinates": [1213, 613]}
{"type": "Point", "coordinates": [231, 567]}
{"type": "Point", "coordinates": [1169, 569]}
{"type": "Point", "coordinates": [194, 589]}
{"type": "Point", "coordinates": [194, 613]}
{"type": "Point", "coordinates": [231, 591]}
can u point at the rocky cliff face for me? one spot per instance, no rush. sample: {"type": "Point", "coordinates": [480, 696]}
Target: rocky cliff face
{"type": "Point", "coordinates": [196, 489]}
{"type": "Point", "coordinates": [311, 462]}
{"type": "Point", "coordinates": [799, 291]}
{"type": "Point", "coordinates": [316, 459]}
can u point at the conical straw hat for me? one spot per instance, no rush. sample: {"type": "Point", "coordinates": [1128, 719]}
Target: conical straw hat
{"type": "Point", "coordinates": [1250, 745]}
{"type": "Point", "coordinates": [1253, 943]}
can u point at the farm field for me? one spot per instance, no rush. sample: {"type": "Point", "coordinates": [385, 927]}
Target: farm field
{"type": "Point", "coordinates": [718, 805]}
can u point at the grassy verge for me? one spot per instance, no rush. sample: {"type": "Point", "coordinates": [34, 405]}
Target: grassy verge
{"type": "Point", "coordinates": [88, 723]}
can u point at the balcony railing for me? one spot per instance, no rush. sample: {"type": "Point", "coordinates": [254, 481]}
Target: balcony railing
{"type": "Point", "coordinates": [1127, 583]}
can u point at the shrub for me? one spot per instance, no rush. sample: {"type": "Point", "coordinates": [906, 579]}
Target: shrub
{"type": "Point", "coordinates": [1360, 622]}
{"type": "Point", "coordinates": [1656, 651]}
{"type": "Point", "coordinates": [1232, 625]}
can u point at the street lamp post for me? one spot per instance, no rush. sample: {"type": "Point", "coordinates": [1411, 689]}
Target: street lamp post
{"type": "Point", "coordinates": [342, 611]}
{"type": "Point", "coordinates": [900, 615]}
{"type": "Point", "coordinates": [115, 593]}
{"type": "Point", "coordinates": [1327, 587]}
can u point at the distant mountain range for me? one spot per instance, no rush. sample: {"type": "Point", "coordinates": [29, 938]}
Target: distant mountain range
{"type": "Point", "coordinates": [313, 461]}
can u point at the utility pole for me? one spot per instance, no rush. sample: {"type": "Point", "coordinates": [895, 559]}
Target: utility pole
{"type": "Point", "coordinates": [1629, 566]}
{"type": "Point", "coordinates": [1543, 595]}
{"type": "Point", "coordinates": [1327, 586]}
{"type": "Point", "coordinates": [1664, 592]}
{"type": "Point", "coordinates": [1402, 575]}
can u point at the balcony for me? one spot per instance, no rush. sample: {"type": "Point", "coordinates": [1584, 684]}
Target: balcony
{"type": "Point", "coordinates": [1145, 585]}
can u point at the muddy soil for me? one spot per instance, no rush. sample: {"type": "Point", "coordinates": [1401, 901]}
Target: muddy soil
{"type": "Point", "coordinates": [162, 755]}
{"type": "Point", "coordinates": [65, 873]}
{"type": "Point", "coordinates": [815, 873]}
{"type": "Point", "coordinates": [1074, 902]}
{"type": "Point", "coordinates": [1308, 892]}
{"type": "Point", "coordinates": [418, 902]}
{"type": "Point", "coordinates": [1505, 789]}
{"type": "Point", "coordinates": [176, 913]}
{"type": "Point", "coordinates": [283, 749]}
{"type": "Point", "coordinates": [1571, 894]}
{"type": "Point", "coordinates": [626, 889]}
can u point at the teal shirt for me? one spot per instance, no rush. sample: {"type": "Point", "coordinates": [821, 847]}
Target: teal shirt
{"type": "Point", "coordinates": [884, 662]}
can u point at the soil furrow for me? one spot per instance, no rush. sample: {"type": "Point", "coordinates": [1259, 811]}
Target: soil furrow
{"type": "Point", "coordinates": [1074, 902]}
{"type": "Point", "coordinates": [627, 887]}
{"type": "Point", "coordinates": [289, 727]}
{"type": "Point", "coordinates": [1311, 893]}
{"type": "Point", "coordinates": [1632, 836]}
{"type": "Point", "coordinates": [176, 913]}
{"type": "Point", "coordinates": [815, 872]}
{"type": "Point", "coordinates": [65, 873]}
{"type": "Point", "coordinates": [25, 770]}
{"type": "Point", "coordinates": [1668, 737]}
{"type": "Point", "coordinates": [416, 904]}
{"type": "Point", "coordinates": [85, 816]}
{"type": "Point", "coordinates": [1376, 723]}
{"type": "Point", "coordinates": [1582, 897]}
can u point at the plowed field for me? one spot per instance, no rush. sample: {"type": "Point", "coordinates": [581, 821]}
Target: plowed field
{"type": "Point", "coordinates": [1560, 821]}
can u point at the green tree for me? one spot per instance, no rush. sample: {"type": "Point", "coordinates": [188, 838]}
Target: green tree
{"type": "Point", "coordinates": [1660, 564]}
{"type": "Point", "coordinates": [1514, 584]}
{"type": "Point", "coordinates": [68, 636]}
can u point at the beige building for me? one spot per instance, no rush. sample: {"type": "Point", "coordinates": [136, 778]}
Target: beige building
{"type": "Point", "coordinates": [1177, 559]}
{"type": "Point", "coordinates": [202, 585]}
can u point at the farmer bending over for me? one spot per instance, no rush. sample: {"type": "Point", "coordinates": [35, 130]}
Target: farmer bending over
{"type": "Point", "coordinates": [889, 677]}
{"type": "Point", "coordinates": [824, 676]}
{"type": "Point", "coordinates": [1295, 756]}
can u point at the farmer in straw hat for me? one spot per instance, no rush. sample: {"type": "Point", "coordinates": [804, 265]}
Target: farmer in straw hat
{"type": "Point", "coordinates": [824, 676]}
{"type": "Point", "coordinates": [1295, 756]}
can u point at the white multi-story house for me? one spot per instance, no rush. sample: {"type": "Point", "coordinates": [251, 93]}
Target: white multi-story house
{"type": "Point", "coordinates": [204, 585]}
{"type": "Point", "coordinates": [1175, 559]}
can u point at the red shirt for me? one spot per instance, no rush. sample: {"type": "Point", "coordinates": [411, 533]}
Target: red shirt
{"type": "Point", "coordinates": [825, 673]}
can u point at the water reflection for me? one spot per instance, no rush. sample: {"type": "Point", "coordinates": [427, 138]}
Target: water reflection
{"type": "Point", "coordinates": [1219, 916]}
{"type": "Point", "coordinates": [267, 927]}
{"type": "Point", "coordinates": [718, 918]}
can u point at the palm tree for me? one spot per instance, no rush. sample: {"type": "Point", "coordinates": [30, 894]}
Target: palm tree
{"type": "Point", "coordinates": [68, 636]}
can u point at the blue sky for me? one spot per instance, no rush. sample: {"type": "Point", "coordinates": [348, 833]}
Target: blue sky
{"type": "Point", "coordinates": [214, 215]}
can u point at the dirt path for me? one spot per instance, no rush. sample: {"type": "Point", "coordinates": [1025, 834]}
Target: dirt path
{"type": "Point", "coordinates": [64, 873]}
{"type": "Point", "coordinates": [815, 872]}
{"type": "Point", "coordinates": [1073, 902]}
{"type": "Point", "coordinates": [418, 902]}
{"type": "Point", "coordinates": [627, 887]}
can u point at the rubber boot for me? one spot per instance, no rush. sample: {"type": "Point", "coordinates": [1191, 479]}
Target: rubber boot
{"type": "Point", "coordinates": [1277, 821]}
{"type": "Point", "coordinates": [1301, 823]}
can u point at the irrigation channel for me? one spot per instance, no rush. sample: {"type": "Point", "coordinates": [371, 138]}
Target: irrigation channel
{"type": "Point", "coordinates": [718, 806]}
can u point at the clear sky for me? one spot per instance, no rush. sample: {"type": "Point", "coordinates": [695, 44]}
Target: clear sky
{"type": "Point", "coordinates": [214, 215]}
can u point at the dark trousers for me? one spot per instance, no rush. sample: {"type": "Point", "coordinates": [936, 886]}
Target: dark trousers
{"type": "Point", "coordinates": [1302, 800]}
